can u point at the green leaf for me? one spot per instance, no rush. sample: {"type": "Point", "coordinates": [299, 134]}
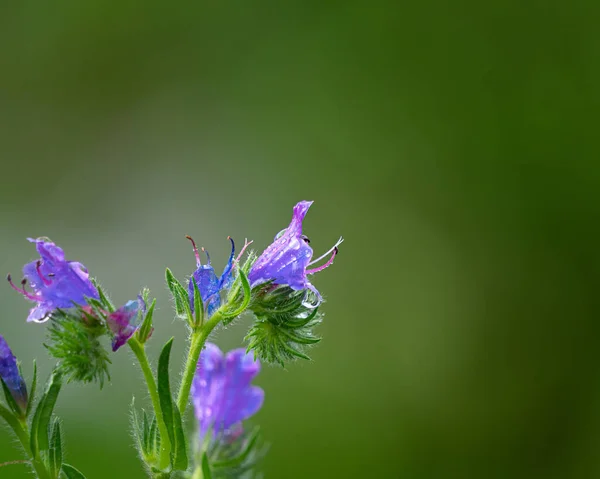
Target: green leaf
{"type": "Point", "coordinates": [145, 429]}
{"type": "Point", "coordinates": [164, 390]}
{"type": "Point", "coordinates": [105, 301]}
{"type": "Point", "coordinates": [198, 305]}
{"type": "Point", "coordinates": [43, 413]}
{"type": "Point", "coordinates": [171, 414]}
{"type": "Point", "coordinates": [71, 472]}
{"type": "Point", "coordinates": [180, 460]}
{"type": "Point", "coordinates": [10, 400]}
{"type": "Point", "coordinates": [180, 295]}
{"type": "Point", "coordinates": [55, 456]}
{"type": "Point", "coordinates": [32, 390]}
{"type": "Point", "coordinates": [154, 438]}
{"type": "Point", "coordinates": [146, 327]}
{"type": "Point", "coordinates": [229, 315]}
{"type": "Point", "coordinates": [206, 474]}
{"type": "Point", "coordinates": [135, 422]}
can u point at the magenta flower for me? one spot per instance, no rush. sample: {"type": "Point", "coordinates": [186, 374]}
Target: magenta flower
{"type": "Point", "coordinates": [222, 392]}
{"type": "Point", "coordinates": [125, 321]}
{"type": "Point", "coordinates": [285, 261]}
{"type": "Point", "coordinates": [56, 282]}
{"type": "Point", "coordinates": [209, 284]}
{"type": "Point", "coordinates": [9, 372]}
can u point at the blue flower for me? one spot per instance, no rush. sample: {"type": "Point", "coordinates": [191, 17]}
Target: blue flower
{"type": "Point", "coordinates": [9, 372]}
{"type": "Point", "coordinates": [285, 261]}
{"type": "Point", "coordinates": [125, 321]}
{"type": "Point", "coordinates": [222, 393]}
{"type": "Point", "coordinates": [56, 282]}
{"type": "Point", "coordinates": [209, 284]}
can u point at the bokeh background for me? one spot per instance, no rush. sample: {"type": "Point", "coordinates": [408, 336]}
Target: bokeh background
{"type": "Point", "coordinates": [453, 144]}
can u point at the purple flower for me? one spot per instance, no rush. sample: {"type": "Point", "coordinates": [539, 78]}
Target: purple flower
{"type": "Point", "coordinates": [285, 261]}
{"type": "Point", "coordinates": [209, 284]}
{"type": "Point", "coordinates": [56, 282]}
{"type": "Point", "coordinates": [9, 372]}
{"type": "Point", "coordinates": [125, 321]}
{"type": "Point", "coordinates": [222, 392]}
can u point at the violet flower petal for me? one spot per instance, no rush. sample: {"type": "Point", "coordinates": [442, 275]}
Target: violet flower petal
{"type": "Point", "coordinates": [222, 392]}
{"type": "Point", "coordinates": [9, 372]}
{"type": "Point", "coordinates": [285, 261]}
{"type": "Point", "coordinates": [125, 321]}
{"type": "Point", "coordinates": [56, 283]}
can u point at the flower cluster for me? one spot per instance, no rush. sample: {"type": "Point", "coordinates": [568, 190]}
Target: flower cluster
{"type": "Point", "coordinates": [273, 286]}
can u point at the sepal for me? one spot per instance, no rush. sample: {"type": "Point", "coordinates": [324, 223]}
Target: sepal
{"type": "Point", "coordinates": [145, 330]}
{"type": "Point", "coordinates": [74, 339]}
{"type": "Point", "coordinates": [234, 457]}
{"type": "Point", "coordinates": [284, 323]}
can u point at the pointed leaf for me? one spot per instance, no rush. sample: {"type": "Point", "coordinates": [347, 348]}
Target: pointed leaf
{"type": "Point", "coordinates": [179, 293]}
{"type": "Point", "coordinates": [164, 391]}
{"type": "Point", "coordinates": [43, 413]}
{"type": "Point", "coordinates": [171, 414]}
{"type": "Point", "coordinates": [55, 454]}
{"type": "Point", "coordinates": [135, 423]}
{"type": "Point", "coordinates": [154, 439]}
{"type": "Point", "coordinates": [32, 390]}
{"type": "Point", "coordinates": [71, 472]}
{"type": "Point", "coordinates": [206, 474]}
{"type": "Point", "coordinates": [145, 429]}
{"type": "Point", "coordinates": [105, 301]}
{"type": "Point", "coordinates": [180, 460]}
{"type": "Point", "coordinates": [146, 327]}
{"type": "Point", "coordinates": [247, 295]}
{"type": "Point", "coordinates": [10, 400]}
{"type": "Point", "coordinates": [298, 338]}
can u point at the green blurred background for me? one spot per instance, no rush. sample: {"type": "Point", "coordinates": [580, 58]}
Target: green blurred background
{"type": "Point", "coordinates": [453, 144]}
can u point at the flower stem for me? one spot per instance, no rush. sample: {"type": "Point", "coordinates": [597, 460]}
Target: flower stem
{"type": "Point", "coordinates": [140, 353]}
{"type": "Point", "coordinates": [22, 432]}
{"type": "Point", "coordinates": [197, 340]}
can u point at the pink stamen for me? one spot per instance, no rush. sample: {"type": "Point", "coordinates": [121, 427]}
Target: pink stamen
{"type": "Point", "coordinates": [198, 262]}
{"type": "Point", "coordinates": [207, 255]}
{"type": "Point", "coordinates": [246, 244]}
{"type": "Point", "coordinates": [38, 265]}
{"type": "Point", "coordinates": [324, 255]}
{"type": "Point", "coordinates": [326, 265]}
{"type": "Point", "coordinates": [21, 289]}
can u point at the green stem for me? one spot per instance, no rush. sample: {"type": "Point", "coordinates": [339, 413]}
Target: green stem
{"type": "Point", "coordinates": [22, 432]}
{"type": "Point", "coordinates": [140, 353]}
{"type": "Point", "coordinates": [198, 338]}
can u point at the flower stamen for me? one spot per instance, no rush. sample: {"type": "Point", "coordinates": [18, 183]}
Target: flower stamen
{"type": "Point", "coordinates": [21, 289]}
{"type": "Point", "coordinates": [38, 266]}
{"type": "Point", "coordinates": [326, 265]}
{"type": "Point", "coordinates": [246, 244]}
{"type": "Point", "coordinates": [207, 256]}
{"type": "Point", "coordinates": [334, 248]}
{"type": "Point", "coordinates": [198, 262]}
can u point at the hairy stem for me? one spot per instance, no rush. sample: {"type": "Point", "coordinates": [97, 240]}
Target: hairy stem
{"type": "Point", "coordinates": [22, 432]}
{"type": "Point", "coordinates": [197, 340]}
{"type": "Point", "coordinates": [140, 353]}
